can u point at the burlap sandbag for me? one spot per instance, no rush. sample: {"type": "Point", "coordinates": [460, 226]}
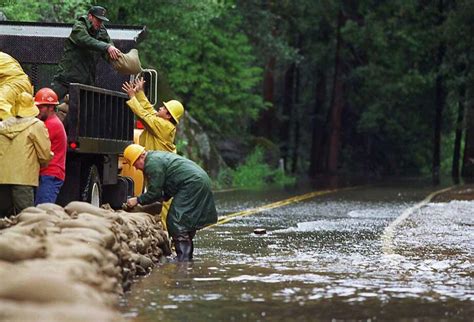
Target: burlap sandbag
{"type": "Point", "coordinates": [77, 207]}
{"type": "Point", "coordinates": [50, 206]}
{"type": "Point", "coordinates": [16, 247]}
{"type": "Point", "coordinates": [128, 64]}
{"type": "Point", "coordinates": [61, 247]}
{"type": "Point", "coordinates": [13, 311]}
{"type": "Point", "coordinates": [29, 286]}
{"type": "Point", "coordinates": [85, 235]}
{"type": "Point", "coordinates": [77, 270]}
{"type": "Point", "coordinates": [106, 234]}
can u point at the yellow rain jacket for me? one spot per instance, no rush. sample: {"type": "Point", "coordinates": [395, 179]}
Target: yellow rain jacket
{"type": "Point", "coordinates": [24, 144]}
{"type": "Point", "coordinates": [13, 81]}
{"type": "Point", "coordinates": [159, 134]}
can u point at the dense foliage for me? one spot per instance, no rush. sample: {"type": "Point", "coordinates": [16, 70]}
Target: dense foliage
{"type": "Point", "coordinates": [374, 87]}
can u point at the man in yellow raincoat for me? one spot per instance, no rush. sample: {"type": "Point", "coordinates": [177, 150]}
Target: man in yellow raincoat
{"type": "Point", "coordinates": [13, 81]}
{"type": "Point", "coordinates": [24, 147]}
{"type": "Point", "coordinates": [160, 126]}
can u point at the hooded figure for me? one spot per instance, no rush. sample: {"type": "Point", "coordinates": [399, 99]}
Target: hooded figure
{"type": "Point", "coordinates": [24, 147]}
{"type": "Point", "coordinates": [171, 175]}
{"type": "Point", "coordinates": [13, 81]}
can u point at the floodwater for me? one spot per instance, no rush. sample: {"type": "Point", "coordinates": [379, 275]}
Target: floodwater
{"type": "Point", "coordinates": [321, 259]}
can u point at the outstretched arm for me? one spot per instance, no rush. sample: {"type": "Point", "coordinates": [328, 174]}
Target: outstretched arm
{"type": "Point", "coordinates": [114, 52]}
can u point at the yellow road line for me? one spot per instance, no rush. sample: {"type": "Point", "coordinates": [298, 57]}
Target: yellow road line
{"type": "Point", "coordinates": [389, 231]}
{"type": "Point", "coordinates": [277, 204]}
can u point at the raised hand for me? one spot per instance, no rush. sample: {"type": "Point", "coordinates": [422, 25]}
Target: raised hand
{"type": "Point", "coordinates": [139, 84]}
{"type": "Point", "coordinates": [129, 88]}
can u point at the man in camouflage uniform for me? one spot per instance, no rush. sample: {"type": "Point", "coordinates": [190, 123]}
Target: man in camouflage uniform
{"type": "Point", "coordinates": [87, 42]}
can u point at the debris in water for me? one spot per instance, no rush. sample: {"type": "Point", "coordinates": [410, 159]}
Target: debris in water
{"type": "Point", "coordinates": [260, 231]}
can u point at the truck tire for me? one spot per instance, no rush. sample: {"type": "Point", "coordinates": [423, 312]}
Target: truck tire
{"type": "Point", "coordinates": [92, 189]}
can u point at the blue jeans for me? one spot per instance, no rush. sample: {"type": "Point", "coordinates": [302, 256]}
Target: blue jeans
{"type": "Point", "coordinates": [48, 189]}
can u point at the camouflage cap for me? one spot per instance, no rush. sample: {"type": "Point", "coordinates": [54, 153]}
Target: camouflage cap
{"type": "Point", "coordinates": [98, 12]}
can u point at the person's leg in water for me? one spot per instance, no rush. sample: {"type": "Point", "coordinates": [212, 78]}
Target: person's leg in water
{"type": "Point", "coordinates": [184, 246]}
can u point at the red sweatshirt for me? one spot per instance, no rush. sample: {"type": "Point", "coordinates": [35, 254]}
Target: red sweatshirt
{"type": "Point", "coordinates": [57, 135]}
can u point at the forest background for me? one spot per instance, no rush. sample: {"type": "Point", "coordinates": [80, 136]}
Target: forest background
{"type": "Point", "coordinates": [370, 88]}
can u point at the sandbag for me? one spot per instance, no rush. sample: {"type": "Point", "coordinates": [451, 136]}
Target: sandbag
{"type": "Point", "coordinates": [106, 234]}
{"type": "Point", "coordinates": [56, 312]}
{"type": "Point", "coordinates": [58, 248]}
{"type": "Point", "coordinates": [50, 206]}
{"type": "Point", "coordinates": [14, 247]}
{"type": "Point", "coordinates": [29, 286]}
{"type": "Point", "coordinates": [77, 207]}
{"type": "Point", "coordinates": [85, 235]}
{"type": "Point", "coordinates": [128, 64]}
{"type": "Point", "coordinates": [76, 269]}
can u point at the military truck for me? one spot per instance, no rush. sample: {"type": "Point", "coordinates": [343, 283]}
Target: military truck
{"type": "Point", "coordinates": [99, 125]}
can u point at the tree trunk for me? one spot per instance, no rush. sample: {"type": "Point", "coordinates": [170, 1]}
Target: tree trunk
{"type": "Point", "coordinates": [296, 123]}
{"type": "Point", "coordinates": [337, 103]}
{"type": "Point", "coordinates": [467, 171]}
{"type": "Point", "coordinates": [285, 127]}
{"type": "Point", "coordinates": [267, 122]}
{"type": "Point", "coordinates": [440, 97]}
{"type": "Point", "coordinates": [458, 137]}
{"type": "Point", "coordinates": [317, 133]}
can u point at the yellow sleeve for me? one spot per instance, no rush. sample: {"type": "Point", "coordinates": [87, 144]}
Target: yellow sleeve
{"type": "Point", "coordinates": [159, 127]}
{"type": "Point", "coordinates": [144, 102]}
{"type": "Point", "coordinates": [42, 143]}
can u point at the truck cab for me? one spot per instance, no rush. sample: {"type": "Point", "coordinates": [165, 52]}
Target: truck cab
{"type": "Point", "coordinates": [99, 125]}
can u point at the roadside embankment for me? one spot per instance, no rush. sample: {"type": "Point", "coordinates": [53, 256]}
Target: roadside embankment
{"type": "Point", "coordinates": [73, 263]}
{"type": "Point", "coordinates": [461, 192]}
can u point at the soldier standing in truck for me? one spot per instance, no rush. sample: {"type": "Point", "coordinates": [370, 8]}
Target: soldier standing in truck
{"type": "Point", "coordinates": [88, 41]}
{"type": "Point", "coordinates": [160, 125]}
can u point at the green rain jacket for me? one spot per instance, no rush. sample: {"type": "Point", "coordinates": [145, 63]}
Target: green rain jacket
{"type": "Point", "coordinates": [171, 175]}
{"type": "Point", "coordinates": [82, 51]}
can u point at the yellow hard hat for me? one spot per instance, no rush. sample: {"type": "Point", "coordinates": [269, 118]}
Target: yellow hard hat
{"type": "Point", "coordinates": [25, 106]}
{"type": "Point", "coordinates": [132, 153]}
{"type": "Point", "coordinates": [175, 108]}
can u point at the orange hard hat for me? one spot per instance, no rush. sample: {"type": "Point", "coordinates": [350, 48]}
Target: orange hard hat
{"type": "Point", "coordinates": [46, 96]}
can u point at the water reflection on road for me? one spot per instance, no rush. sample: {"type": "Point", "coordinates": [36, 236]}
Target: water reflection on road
{"type": "Point", "coordinates": [320, 259]}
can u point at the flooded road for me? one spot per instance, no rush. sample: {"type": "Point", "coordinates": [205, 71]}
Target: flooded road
{"type": "Point", "coordinates": [322, 258]}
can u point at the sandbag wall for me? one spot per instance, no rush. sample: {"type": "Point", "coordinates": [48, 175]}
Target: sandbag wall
{"type": "Point", "coordinates": [73, 263]}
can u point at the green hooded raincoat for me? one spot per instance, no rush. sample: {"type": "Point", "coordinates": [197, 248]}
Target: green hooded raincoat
{"type": "Point", "coordinates": [171, 175]}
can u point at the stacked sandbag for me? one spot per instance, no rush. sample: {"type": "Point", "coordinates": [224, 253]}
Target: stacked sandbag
{"type": "Point", "coordinates": [52, 258]}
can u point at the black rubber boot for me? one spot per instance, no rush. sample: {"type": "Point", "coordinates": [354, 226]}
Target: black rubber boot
{"type": "Point", "coordinates": [184, 251]}
{"type": "Point", "coordinates": [192, 251]}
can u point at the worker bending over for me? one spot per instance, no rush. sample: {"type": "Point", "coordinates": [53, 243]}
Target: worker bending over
{"type": "Point", "coordinates": [171, 175]}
